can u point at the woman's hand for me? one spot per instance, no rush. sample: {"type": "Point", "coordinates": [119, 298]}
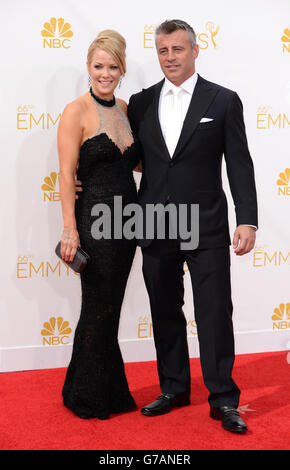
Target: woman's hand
{"type": "Point", "coordinates": [69, 242]}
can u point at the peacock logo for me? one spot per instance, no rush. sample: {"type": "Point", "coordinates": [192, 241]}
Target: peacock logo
{"type": "Point", "coordinates": [56, 331]}
{"type": "Point", "coordinates": [56, 33]}
{"type": "Point", "coordinates": [283, 183]}
{"type": "Point", "coordinates": [286, 40]}
{"type": "Point", "coordinates": [284, 178]}
{"type": "Point", "coordinates": [50, 187]}
{"type": "Point", "coordinates": [286, 36]}
{"type": "Point", "coordinates": [281, 317]}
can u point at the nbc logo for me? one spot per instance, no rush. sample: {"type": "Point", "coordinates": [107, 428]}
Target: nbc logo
{"type": "Point", "coordinates": [281, 317]}
{"type": "Point", "coordinates": [53, 337]}
{"type": "Point", "coordinates": [56, 34]}
{"type": "Point", "coordinates": [283, 183]}
{"type": "Point", "coordinates": [286, 40]}
{"type": "Point", "coordinates": [49, 187]}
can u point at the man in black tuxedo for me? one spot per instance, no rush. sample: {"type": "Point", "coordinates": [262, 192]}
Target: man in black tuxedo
{"type": "Point", "coordinates": [185, 125]}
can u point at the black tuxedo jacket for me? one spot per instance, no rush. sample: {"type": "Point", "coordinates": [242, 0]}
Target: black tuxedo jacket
{"type": "Point", "coordinates": [193, 174]}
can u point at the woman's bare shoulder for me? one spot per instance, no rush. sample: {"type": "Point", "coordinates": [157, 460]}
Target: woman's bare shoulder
{"type": "Point", "coordinates": [76, 107]}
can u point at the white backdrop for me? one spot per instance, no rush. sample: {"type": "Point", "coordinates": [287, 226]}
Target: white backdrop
{"type": "Point", "coordinates": [245, 46]}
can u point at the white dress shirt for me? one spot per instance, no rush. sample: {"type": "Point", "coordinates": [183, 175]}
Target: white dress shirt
{"type": "Point", "coordinates": [165, 101]}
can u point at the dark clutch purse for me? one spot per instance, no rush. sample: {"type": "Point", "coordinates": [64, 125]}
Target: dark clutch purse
{"type": "Point", "coordinates": [79, 262]}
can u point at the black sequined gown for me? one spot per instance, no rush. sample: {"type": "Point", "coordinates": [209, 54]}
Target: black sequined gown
{"type": "Point", "coordinates": [95, 383]}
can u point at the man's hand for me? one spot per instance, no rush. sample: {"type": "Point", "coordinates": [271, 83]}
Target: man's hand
{"type": "Point", "coordinates": [78, 185]}
{"type": "Point", "coordinates": [244, 239]}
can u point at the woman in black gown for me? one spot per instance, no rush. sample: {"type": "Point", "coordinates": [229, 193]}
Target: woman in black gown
{"type": "Point", "coordinates": [95, 144]}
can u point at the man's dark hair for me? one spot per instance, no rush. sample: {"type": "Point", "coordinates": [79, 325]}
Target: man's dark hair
{"type": "Point", "coordinates": [169, 26]}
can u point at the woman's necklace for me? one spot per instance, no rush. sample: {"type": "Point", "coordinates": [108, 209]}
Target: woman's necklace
{"type": "Point", "coordinates": [108, 103]}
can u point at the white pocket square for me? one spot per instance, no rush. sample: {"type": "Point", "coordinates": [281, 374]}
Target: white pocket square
{"type": "Point", "coordinates": [206, 119]}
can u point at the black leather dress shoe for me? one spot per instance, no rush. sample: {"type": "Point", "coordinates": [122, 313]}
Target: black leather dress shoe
{"type": "Point", "coordinates": [165, 402]}
{"type": "Point", "coordinates": [231, 420]}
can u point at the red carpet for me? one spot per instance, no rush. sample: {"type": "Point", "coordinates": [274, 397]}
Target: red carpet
{"type": "Point", "coordinates": [32, 416]}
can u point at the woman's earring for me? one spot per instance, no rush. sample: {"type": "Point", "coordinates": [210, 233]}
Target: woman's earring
{"type": "Point", "coordinates": [120, 82]}
{"type": "Point", "coordinates": [89, 81]}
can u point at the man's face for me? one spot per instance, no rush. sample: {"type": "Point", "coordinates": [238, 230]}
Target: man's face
{"type": "Point", "coordinates": [176, 56]}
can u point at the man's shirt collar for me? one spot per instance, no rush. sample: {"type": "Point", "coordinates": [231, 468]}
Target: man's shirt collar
{"type": "Point", "coordinates": [188, 86]}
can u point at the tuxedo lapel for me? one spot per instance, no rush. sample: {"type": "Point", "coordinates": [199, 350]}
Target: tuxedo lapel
{"type": "Point", "coordinates": [152, 116]}
{"type": "Point", "coordinates": [202, 97]}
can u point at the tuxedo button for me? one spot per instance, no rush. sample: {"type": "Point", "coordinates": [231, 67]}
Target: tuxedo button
{"type": "Point", "coordinates": [171, 163]}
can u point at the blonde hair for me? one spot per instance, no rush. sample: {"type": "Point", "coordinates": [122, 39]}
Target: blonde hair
{"type": "Point", "coordinates": [113, 43]}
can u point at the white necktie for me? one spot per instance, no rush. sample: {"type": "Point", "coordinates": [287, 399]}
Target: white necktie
{"type": "Point", "coordinates": [173, 121]}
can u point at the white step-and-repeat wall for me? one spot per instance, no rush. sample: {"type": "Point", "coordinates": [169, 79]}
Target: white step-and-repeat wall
{"type": "Point", "coordinates": [245, 46]}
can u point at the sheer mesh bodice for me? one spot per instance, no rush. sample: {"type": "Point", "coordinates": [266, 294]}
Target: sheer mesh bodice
{"type": "Point", "coordinates": [95, 383]}
{"type": "Point", "coordinates": [115, 125]}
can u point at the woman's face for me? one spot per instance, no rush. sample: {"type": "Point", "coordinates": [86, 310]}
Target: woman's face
{"type": "Point", "coordinates": [105, 74]}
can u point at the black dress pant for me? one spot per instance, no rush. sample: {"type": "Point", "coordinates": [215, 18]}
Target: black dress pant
{"type": "Point", "coordinates": [209, 269]}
